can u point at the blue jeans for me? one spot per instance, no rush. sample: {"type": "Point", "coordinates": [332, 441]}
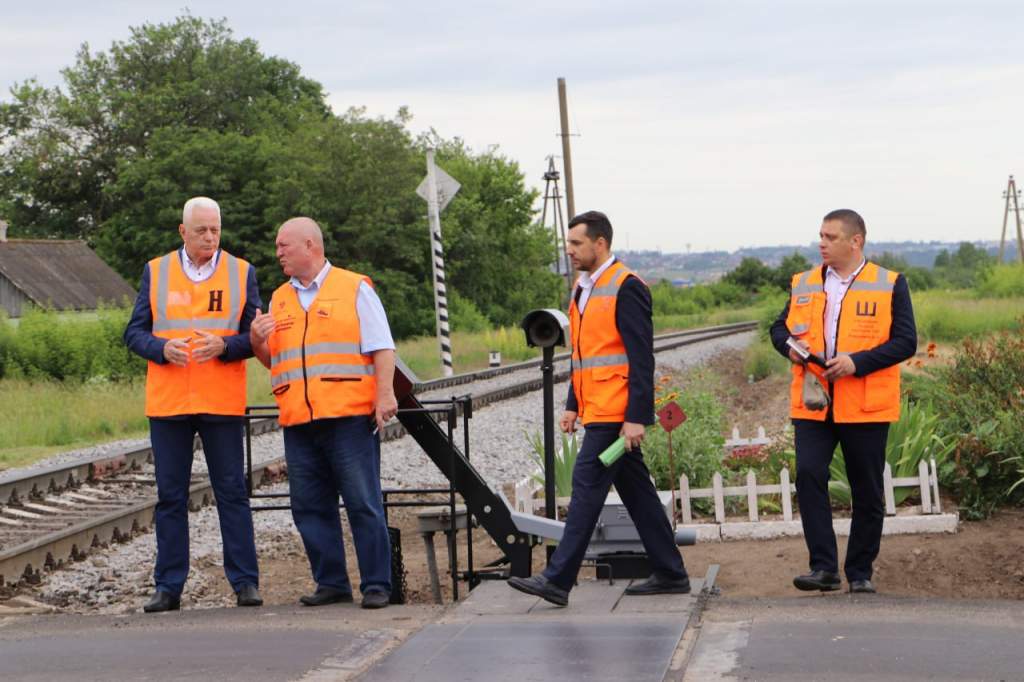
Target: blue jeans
{"type": "Point", "coordinates": [172, 458]}
{"type": "Point", "coordinates": [327, 457]}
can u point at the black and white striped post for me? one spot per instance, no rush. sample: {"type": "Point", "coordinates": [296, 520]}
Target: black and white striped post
{"type": "Point", "coordinates": [438, 188]}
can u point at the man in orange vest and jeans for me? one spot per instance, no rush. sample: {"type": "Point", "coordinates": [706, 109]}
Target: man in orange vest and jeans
{"type": "Point", "coordinates": [857, 317]}
{"type": "Point", "coordinates": [327, 343]}
{"type": "Point", "coordinates": [612, 393]}
{"type": "Point", "coordinates": [191, 321]}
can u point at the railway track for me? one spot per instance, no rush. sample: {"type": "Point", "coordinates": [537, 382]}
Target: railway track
{"type": "Point", "coordinates": [51, 516]}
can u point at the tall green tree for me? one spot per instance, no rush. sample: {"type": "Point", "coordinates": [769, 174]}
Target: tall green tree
{"type": "Point", "coordinates": [751, 275]}
{"type": "Point", "coordinates": [789, 266]}
{"type": "Point", "coordinates": [64, 147]}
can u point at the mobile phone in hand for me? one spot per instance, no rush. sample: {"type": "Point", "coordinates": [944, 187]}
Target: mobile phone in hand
{"type": "Point", "coordinates": [805, 355]}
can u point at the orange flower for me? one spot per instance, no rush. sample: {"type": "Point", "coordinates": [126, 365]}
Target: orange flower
{"type": "Point", "coordinates": [665, 379]}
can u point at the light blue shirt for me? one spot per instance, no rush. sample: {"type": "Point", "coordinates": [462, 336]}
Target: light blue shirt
{"type": "Point", "coordinates": [374, 331]}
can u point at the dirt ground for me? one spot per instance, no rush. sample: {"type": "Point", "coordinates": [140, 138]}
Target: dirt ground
{"type": "Point", "coordinates": [983, 560]}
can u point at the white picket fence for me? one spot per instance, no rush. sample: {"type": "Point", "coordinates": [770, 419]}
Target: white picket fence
{"type": "Point", "coordinates": [927, 481]}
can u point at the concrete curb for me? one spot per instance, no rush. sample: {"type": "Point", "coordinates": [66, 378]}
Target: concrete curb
{"type": "Point", "coordinates": [766, 530]}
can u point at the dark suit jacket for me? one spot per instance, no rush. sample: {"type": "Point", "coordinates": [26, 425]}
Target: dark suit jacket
{"type": "Point", "coordinates": [902, 343]}
{"type": "Point", "coordinates": [139, 338]}
{"type": "Point", "coordinates": [633, 318]}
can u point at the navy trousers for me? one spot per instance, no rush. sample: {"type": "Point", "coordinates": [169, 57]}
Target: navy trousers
{"type": "Point", "coordinates": [864, 453]}
{"type": "Point", "coordinates": [172, 456]}
{"type": "Point", "coordinates": [327, 457]}
{"type": "Point", "coordinates": [591, 481]}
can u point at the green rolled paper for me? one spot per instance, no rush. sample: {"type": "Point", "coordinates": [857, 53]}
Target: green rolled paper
{"type": "Point", "coordinates": [613, 452]}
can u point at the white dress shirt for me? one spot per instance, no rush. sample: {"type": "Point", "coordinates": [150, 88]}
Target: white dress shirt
{"type": "Point", "coordinates": [587, 280]}
{"type": "Point", "coordinates": [374, 331]}
{"type": "Point", "coordinates": [198, 273]}
{"type": "Point", "coordinates": [835, 291]}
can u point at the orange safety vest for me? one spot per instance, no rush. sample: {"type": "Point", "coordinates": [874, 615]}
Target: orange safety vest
{"type": "Point", "coordinates": [316, 368]}
{"type": "Point", "coordinates": [600, 368]}
{"type": "Point", "coordinates": [180, 307]}
{"type": "Point", "coordinates": [865, 320]}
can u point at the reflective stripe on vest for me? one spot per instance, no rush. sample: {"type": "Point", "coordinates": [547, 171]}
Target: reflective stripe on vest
{"type": "Point", "coordinates": [317, 370]}
{"type": "Point", "coordinates": [161, 322]}
{"type": "Point", "coordinates": [180, 307]}
{"type": "Point", "coordinates": [865, 320]}
{"type": "Point", "coordinates": [600, 366]}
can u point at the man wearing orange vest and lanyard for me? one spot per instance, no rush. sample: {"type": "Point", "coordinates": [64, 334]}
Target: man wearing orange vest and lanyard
{"type": "Point", "coordinates": [858, 317]}
{"type": "Point", "coordinates": [327, 343]}
{"type": "Point", "coordinates": [191, 321]}
{"type": "Point", "coordinates": [612, 393]}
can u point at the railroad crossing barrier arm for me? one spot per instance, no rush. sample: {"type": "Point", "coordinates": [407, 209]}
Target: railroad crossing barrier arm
{"type": "Point", "coordinates": [490, 511]}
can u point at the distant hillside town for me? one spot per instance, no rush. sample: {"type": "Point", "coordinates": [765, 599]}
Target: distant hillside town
{"type": "Point", "coordinates": [708, 266]}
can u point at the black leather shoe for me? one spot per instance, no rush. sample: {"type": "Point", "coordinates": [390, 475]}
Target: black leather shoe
{"type": "Point", "coordinates": [656, 585]}
{"type": "Point", "coordinates": [862, 587]}
{"type": "Point", "coordinates": [162, 601]}
{"type": "Point", "coordinates": [375, 600]}
{"type": "Point", "coordinates": [326, 595]}
{"type": "Point", "coordinates": [822, 581]}
{"type": "Point", "coordinates": [248, 595]}
{"type": "Point", "coordinates": [539, 586]}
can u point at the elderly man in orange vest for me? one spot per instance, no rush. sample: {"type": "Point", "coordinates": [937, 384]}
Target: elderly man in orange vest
{"type": "Point", "coordinates": [856, 319]}
{"type": "Point", "coordinates": [191, 321]}
{"type": "Point", "coordinates": [327, 343]}
{"type": "Point", "coordinates": [612, 393]}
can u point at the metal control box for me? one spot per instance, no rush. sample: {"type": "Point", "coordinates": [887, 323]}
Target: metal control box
{"type": "Point", "coordinates": [616, 541]}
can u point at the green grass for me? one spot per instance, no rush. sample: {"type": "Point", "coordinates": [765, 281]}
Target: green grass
{"type": "Point", "coordinates": [470, 349]}
{"type": "Point", "coordinates": [956, 315]}
{"type": "Point", "coordinates": [46, 417]}
{"type": "Point", "coordinates": [666, 323]}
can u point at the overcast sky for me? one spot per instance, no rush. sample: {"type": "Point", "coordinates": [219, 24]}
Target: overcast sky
{"type": "Point", "coordinates": [708, 125]}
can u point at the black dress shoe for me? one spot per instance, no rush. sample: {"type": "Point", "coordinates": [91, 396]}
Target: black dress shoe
{"type": "Point", "coordinates": [656, 585]}
{"type": "Point", "coordinates": [162, 601]}
{"type": "Point", "coordinates": [248, 595]}
{"type": "Point", "coordinates": [326, 595]}
{"type": "Point", "coordinates": [539, 586]}
{"type": "Point", "coordinates": [823, 581]}
{"type": "Point", "coordinates": [375, 600]}
{"type": "Point", "coordinates": [862, 587]}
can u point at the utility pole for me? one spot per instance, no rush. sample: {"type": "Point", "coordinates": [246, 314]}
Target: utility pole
{"type": "Point", "coordinates": [563, 113]}
{"type": "Point", "coordinates": [1012, 194]}
{"type": "Point", "coordinates": [552, 197]}
{"type": "Point", "coordinates": [438, 188]}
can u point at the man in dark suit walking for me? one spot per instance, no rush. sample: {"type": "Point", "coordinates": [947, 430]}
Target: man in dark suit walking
{"type": "Point", "coordinates": [612, 393]}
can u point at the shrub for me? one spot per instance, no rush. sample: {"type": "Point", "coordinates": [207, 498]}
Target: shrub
{"type": "Point", "coordinates": [981, 398]}
{"type": "Point", "coordinates": [1002, 281]}
{"type": "Point", "coordinates": [696, 444]}
{"type": "Point", "coordinates": [466, 317]}
{"type": "Point", "coordinates": [77, 347]}
{"type": "Point", "coordinates": [761, 360]}
{"type": "Point", "coordinates": [915, 437]}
